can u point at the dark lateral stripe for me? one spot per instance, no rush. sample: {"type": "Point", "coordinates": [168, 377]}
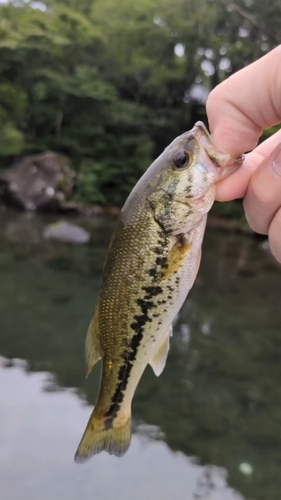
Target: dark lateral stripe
{"type": "Point", "coordinates": [145, 305]}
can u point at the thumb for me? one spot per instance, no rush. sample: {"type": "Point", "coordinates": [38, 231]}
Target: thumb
{"type": "Point", "coordinates": [247, 102]}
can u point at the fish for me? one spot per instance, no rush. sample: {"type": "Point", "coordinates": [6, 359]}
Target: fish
{"type": "Point", "coordinates": [151, 265]}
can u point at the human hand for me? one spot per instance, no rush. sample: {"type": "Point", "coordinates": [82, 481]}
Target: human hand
{"type": "Point", "coordinates": [238, 110]}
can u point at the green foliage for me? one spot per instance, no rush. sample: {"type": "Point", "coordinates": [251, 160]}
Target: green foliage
{"type": "Point", "coordinates": [11, 140]}
{"type": "Point", "coordinates": [112, 178]}
{"type": "Point", "coordinates": [100, 80]}
{"type": "Point", "coordinates": [270, 131]}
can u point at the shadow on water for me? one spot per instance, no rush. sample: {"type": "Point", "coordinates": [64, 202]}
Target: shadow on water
{"type": "Point", "coordinates": [219, 398]}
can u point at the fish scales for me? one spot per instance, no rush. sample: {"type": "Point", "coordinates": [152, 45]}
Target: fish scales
{"type": "Point", "coordinates": [151, 265]}
{"type": "Point", "coordinates": [140, 312]}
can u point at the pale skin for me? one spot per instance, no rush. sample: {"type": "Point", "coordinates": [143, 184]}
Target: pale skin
{"type": "Point", "coordinates": [239, 109]}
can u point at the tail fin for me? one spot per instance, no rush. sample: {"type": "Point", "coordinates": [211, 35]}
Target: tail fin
{"type": "Point", "coordinates": [97, 438]}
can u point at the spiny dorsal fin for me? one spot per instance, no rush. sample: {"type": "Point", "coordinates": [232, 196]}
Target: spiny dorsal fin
{"type": "Point", "coordinates": [93, 346]}
{"type": "Point", "coordinates": [158, 360]}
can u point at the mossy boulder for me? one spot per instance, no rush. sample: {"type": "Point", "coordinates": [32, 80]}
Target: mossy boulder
{"type": "Point", "coordinates": [38, 182]}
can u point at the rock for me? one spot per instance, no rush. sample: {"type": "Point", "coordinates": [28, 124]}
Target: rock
{"type": "Point", "coordinates": [37, 182]}
{"type": "Point", "coordinates": [246, 469]}
{"type": "Point", "coordinates": [67, 232]}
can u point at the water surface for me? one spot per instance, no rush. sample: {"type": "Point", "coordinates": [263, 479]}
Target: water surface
{"type": "Point", "coordinates": [208, 428]}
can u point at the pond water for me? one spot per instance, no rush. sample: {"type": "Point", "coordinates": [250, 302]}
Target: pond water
{"type": "Point", "coordinates": [207, 429]}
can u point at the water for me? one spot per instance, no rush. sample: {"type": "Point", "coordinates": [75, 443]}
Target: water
{"type": "Point", "coordinates": [207, 429]}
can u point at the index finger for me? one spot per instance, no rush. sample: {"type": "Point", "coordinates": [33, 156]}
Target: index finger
{"type": "Point", "coordinates": [246, 103]}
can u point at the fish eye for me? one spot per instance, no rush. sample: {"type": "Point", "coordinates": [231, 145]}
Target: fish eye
{"type": "Point", "coordinates": [182, 160]}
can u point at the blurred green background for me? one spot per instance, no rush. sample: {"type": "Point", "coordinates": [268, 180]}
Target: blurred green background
{"type": "Point", "coordinates": [110, 84]}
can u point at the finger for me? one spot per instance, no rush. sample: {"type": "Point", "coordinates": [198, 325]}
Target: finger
{"type": "Point", "coordinates": [246, 103]}
{"type": "Point", "coordinates": [263, 197]}
{"type": "Point", "coordinates": [267, 146]}
{"type": "Point", "coordinates": [274, 236]}
{"type": "Point", "coordinates": [235, 186]}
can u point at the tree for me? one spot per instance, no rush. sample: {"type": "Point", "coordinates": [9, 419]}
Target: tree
{"type": "Point", "coordinates": [112, 83]}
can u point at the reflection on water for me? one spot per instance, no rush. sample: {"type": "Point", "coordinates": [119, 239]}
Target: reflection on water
{"type": "Point", "coordinates": [39, 432]}
{"type": "Point", "coordinates": [208, 428]}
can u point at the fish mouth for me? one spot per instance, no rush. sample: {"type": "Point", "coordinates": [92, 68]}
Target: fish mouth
{"type": "Point", "coordinates": [219, 158]}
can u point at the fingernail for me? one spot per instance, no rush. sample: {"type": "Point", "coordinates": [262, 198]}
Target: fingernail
{"type": "Point", "coordinates": [276, 163]}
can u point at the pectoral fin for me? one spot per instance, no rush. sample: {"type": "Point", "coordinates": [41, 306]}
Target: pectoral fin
{"type": "Point", "coordinates": [159, 358]}
{"type": "Point", "coordinates": [177, 255]}
{"type": "Point", "coordinates": [93, 346]}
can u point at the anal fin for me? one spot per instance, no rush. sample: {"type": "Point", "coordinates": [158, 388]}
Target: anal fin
{"type": "Point", "coordinates": [158, 360]}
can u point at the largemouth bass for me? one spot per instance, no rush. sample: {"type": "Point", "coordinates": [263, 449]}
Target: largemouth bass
{"type": "Point", "coordinates": [151, 265]}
